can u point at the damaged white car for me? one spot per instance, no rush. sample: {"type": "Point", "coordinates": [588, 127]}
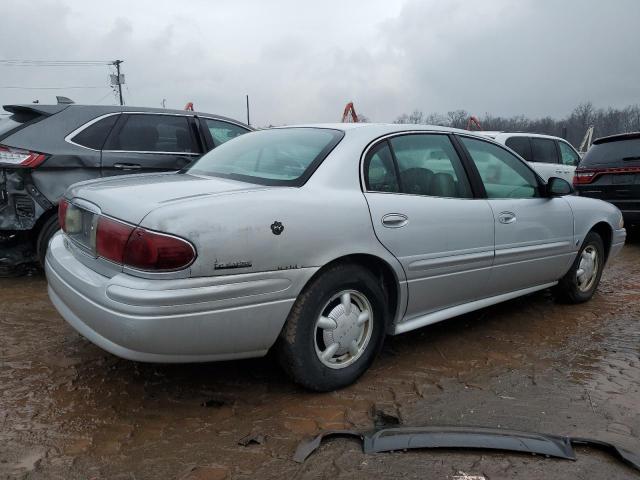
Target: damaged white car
{"type": "Point", "coordinates": [318, 241]}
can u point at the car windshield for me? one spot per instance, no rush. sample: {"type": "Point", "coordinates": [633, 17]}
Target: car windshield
{"type": "Point", "coordinates": [618, 152]}
{"type": "Point", "coordinates": [8, 124]}
{"type": "Point", "coordinates": [280, 156]}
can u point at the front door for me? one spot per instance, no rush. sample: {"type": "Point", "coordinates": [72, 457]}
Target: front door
{"type": "Point", "coordinates": [424, 212]}
{"type": "Point", "coordinates": [534, 233]}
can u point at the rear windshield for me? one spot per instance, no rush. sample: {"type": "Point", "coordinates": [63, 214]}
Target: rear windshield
{"type": "Point", "coordinates": [616, 153]}
{"type": "Point", "coordinates": [281, 156]}
{"type": "Point", "coordinates": [10, 123]}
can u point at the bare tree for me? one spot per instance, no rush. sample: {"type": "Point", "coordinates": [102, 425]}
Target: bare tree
{"type": "Point", "coordinates": [573, 127]}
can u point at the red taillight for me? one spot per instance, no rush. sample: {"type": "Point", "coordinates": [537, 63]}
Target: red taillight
{"type": "Point", "coordinates": [148, 250]}
{"type": "Point", "coordinates": [62, 213]}
{"type": "Point", "coordinates": [111, 239]}
{"type": "Point", "coordinates": [140, 248]}
{"type": "Point", "coordinates": [580, 177]}
{"type": "Point", "coordinates": [587, 176]}
{"type": "Point", "coordinates": [17, 157]}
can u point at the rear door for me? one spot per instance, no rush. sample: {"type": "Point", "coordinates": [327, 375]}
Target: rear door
{"type": "Point", "coordinates": [569, 160]}
{"type": "Point", "coordinates": [544, 158]}
{"type": "Point", "coordinates": [150, 142]}
{"type": "Point", "coordinates": [424, 212]}
{"type": "Point", "coordinates": [533, 233]}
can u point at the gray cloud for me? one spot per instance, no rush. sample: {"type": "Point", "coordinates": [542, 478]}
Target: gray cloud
{"type": "Point", "coordinates": [301, 62]}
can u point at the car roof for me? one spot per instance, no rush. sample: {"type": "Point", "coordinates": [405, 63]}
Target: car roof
{"type": "Point", "coordinates": [617, 138]}
{"type": "Point", "coordinates": [104, 109]}
{"type": "Point", "coordinates": [490, 134]}
{"type": "Point", "coordinates": [387, 127]}
{"type": "Point", "coordinates": [525, 134]}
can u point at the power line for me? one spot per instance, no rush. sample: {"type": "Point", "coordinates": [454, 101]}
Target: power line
{"type": "Point", "coordinates": [51, 88]}
{"type": "Point", "coordinates": [53, 63]}
{"type": "Point", "coordinates": [100, 101]}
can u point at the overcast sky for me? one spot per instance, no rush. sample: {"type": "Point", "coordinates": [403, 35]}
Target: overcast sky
{"type": "Point", "coordinates": [301, 61]}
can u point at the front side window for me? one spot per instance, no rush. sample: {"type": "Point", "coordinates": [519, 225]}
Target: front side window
{"type": "Point", "coordinates": [153, 133]}
{"type": "Point", "coordinates": [544, 150]}
{"type": "Point", "coordinates": [280, 156]}
{"type": "Point", "coordinates": [568, 155]}
{"type": "Point", "coordinates": [521, 146]}
{"type": "Point", "coordinates": [222, 132]}
{"type": "Point", "coordinates": [429, 165]}
{"type": "Point", "coordinates": [503, 174]}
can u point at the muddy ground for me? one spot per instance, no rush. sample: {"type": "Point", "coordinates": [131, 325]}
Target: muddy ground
{"type": "Point", "coordinates": [69, 410]}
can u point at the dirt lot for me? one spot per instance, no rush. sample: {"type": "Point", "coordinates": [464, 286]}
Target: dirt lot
{"type": "Point", "coordinates": [69, 410]}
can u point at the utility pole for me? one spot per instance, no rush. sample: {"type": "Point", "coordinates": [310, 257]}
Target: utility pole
{"type": "Point", "coordinates": [118, 82]}
{"type": "Point", "coordinates": [248, 120]}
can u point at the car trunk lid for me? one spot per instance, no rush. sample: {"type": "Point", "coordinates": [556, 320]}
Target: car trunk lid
{"type": "Point", "coordinates": [130, 198]}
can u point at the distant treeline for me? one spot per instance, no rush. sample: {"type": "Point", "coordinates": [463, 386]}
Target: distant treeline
{"type": "Point", "coordinates": [605, 122]}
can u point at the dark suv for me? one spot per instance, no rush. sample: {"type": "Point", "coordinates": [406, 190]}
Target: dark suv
{"type": "Point", "coordinates": [46, 148]}
{"type": "Point", "coordinates": [610, 170]}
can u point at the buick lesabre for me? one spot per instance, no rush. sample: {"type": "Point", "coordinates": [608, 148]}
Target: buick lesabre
{"type": "Point", "coordinates": [318, 241]}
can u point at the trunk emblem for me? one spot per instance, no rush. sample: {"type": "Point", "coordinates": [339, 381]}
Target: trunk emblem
{"type": "Point", "coordinates": [277, 228]}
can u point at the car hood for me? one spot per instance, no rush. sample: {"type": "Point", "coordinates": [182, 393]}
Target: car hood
{"type": "Point", "coordinates": [132, 197]}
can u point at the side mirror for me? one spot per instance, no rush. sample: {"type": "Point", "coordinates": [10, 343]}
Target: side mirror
{"type": "Point", "coordinates": [559, 187]}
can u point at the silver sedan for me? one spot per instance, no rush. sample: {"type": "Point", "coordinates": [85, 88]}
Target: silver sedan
{"type": "Point", "coordinates": [318, 241]}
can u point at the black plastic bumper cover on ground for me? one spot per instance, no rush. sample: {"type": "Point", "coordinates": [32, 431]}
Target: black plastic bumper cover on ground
{"type": "Point", "coordinates": [404, 438]}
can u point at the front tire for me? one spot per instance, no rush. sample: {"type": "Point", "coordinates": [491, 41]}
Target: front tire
{"type": "Point", "coordinates": [582, 279]}
{"type": "Point", "coordinates": [335, 329]}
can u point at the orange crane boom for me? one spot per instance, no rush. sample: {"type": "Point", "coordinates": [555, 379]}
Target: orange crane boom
{"type": "Point", "coordinates": [473, 121]}
{"type": "Point", "coordinates": [349, 115]}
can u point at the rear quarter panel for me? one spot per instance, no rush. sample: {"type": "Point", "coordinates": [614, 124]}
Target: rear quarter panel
{"type": "Point", "coordinates": [238, 232]}
{"type": "Point", "coordinates": [67, 163]}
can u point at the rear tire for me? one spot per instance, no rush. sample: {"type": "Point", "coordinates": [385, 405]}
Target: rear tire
{"type": "Point", "coordinates": [582, 279]}
{"type": "Point", "coordinates": [335, 329]}
{"type": "Point", "coordinates": [47, 231]}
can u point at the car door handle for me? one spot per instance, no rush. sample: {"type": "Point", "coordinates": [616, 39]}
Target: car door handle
{"type": "Point", "coordinates": [507, 217]}
{"type": "Point", "coordinates": [127, 166]}
{"type": "Point", "coordinates": [394, 220]}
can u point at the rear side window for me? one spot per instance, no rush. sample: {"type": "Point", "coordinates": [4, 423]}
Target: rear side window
{"type": "Point", "coordinates": [521, 146]}
{"type": "Point", "coordinates": [95, 134]}
{"type": "Point", "coordinates": [568, 155]}
{"type": "Point", "coordinates": [153, 133]}
{"type": "Point", "coordinates": [617, 153]}
{"type": "Point", "coordinates": [429, 165]}
{"type": "Point", "coordinates": [380, 171]}
{"type": "Point", "coordinates": [222, 132]}
{"type": "Point", "coordinates": [544, 150]}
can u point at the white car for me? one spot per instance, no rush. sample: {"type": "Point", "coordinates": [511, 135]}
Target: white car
{"type": "Point", "coordinates": [549, 156]}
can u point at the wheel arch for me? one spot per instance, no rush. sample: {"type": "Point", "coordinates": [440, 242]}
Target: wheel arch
{"type": "Point", "coordinates": [41, 221]}
{"type": "Point", "coordinates": [606, 233]}
{"type": "Point", "coordinates": [382, 270]}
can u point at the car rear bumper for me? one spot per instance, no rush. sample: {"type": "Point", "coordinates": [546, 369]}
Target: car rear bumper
{"type": "Point", "coordinates": [173, 321]}
{"type": "Point", "coordinates": [631, 217]}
